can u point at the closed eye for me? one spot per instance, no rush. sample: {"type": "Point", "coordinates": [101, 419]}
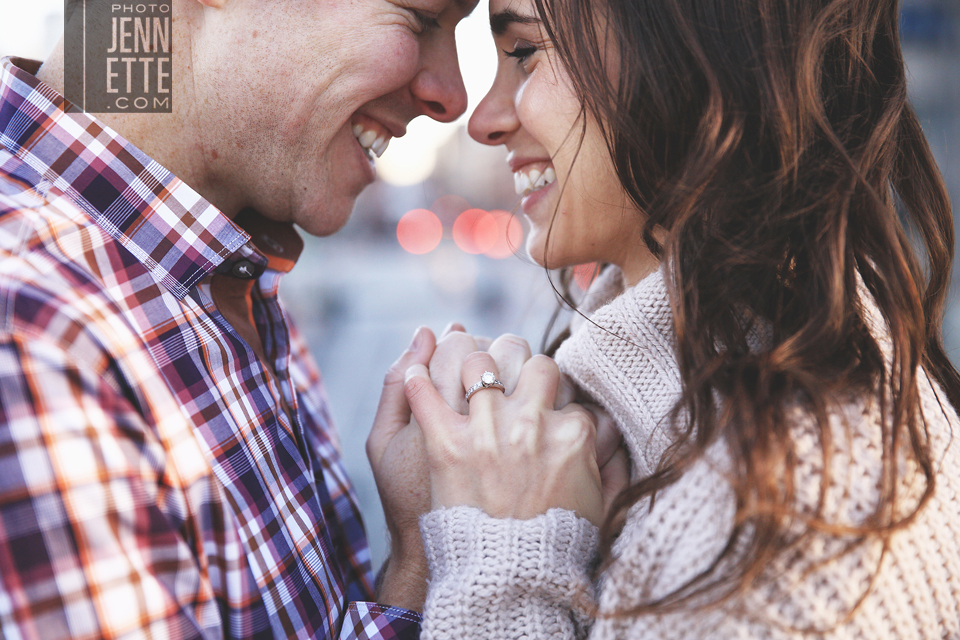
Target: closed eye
{"type": "Point", "coordinates": [425, 21]}
{"type": "Point", "coordinates": [521, 53]}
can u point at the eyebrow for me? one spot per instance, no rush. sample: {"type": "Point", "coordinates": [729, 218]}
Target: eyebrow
{"type": "Point", "coordinates": [500, 21]}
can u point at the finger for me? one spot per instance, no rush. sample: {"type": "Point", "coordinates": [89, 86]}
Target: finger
{"type": "Point", "coordinates": [430, 410]}
{"type": "Point", "coordinates": [586, 418]}
{"type": "Point", "coordinates": [566, 392]}
{"type": "Point", "coordinates": [614, 476]}
{"type": "Point", "coordinates": [477, 367]}
{"type": "Point", "coordinates": [450, 328]}
{"type": "Point", "coordinates": [609, 438]}
{"type": "Point", "coordinates": [393, 411]}
{"type": "Point", "coordinates": [509, 352]}
{"type": "Point", "coordinates": [446, 365]}
{"type": "Point", "coordinates": [539, 378]}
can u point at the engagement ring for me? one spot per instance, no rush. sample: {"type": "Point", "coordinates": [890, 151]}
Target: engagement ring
{"type": "Point", "coordinates": [487, 381]}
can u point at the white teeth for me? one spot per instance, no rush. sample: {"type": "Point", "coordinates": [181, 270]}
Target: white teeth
{"type": "Point", "coordinates": [374, 145]}
{"type": "Point", "coordinates": [535, 179]}
{"type": "Point", "coordinates": [380, 145]}
{"type": "Point", "coordinates": [521, 183]}
{"type": "Point", "coordinates": [524, 183]}
{"type": "Point", "coordinates": [367, 138]}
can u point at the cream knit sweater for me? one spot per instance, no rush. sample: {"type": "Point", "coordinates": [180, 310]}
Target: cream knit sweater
{"type": "Point", "coordinates": [506, 579]}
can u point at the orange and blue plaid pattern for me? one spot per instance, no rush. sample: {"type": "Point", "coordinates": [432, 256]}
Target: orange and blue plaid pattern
{"type": "Point", "coordinates": [156, 479]}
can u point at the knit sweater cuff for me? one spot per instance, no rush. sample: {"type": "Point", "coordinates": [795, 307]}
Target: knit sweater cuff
{"type": "Point", "coordinates": [493, 578]}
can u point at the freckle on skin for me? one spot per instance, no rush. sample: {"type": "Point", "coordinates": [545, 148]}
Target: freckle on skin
{"type": "Point", "coordinates": [254, 34]}
{"type": "Point", "coordinates": [214, 154]}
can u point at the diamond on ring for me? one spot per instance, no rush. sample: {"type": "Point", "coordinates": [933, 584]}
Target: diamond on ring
{"type": "Point", "coordinates": [487, 381]}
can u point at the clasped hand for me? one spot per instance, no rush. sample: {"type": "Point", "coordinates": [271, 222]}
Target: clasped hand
{"type": "Point", "coordinates": [515, 453]}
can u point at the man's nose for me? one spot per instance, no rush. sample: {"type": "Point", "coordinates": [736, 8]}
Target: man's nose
{"type": "Point", "coordinates": [438, 87]}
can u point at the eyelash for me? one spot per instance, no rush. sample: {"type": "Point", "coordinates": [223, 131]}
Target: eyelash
{"type": "Point", "coordinates": [424, 21]}
{"type": "Point", "coordinates": [521, 53]}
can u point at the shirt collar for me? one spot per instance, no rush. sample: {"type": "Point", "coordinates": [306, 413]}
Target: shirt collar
{"type": "Point", "coordinates": [175, 233]}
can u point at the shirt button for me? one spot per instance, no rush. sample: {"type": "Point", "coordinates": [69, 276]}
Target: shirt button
{"type": "Point", "coordinates": [242, 269]}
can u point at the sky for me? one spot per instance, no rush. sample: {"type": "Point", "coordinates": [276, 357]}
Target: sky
{"type": "Point", "coordinates": [30, 28]}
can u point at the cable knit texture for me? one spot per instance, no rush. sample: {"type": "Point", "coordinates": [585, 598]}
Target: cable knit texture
{"type": "Point", "coordinates": [508, 578]}
{"type": "Point", "coordinates": [910, 593]}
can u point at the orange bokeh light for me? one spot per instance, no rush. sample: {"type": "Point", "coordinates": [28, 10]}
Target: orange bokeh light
{"type": "Point", "coordinates": [509, 235]}
{"type": "Point", "coordinates": [475, 231]}
{"type": "Point", "coordinates": [419, 231]}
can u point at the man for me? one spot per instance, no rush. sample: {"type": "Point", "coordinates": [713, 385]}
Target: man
{"type": "Point", "coordinates": [167, 464]}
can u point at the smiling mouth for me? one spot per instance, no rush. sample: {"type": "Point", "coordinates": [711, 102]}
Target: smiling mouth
{"type": "Point", "coordinates": [371, 135]}
{"type": "Point", "coordinates": [533, 177]}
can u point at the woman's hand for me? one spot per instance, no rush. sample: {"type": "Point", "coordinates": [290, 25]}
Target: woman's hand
{"type": "Point", "coordinates": [514, 455]}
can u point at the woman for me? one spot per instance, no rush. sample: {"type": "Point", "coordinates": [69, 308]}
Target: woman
{"type": "Point", "coordinates": [766, 337]}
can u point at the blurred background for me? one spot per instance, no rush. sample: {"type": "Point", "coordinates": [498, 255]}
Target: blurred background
{"type": "Point", "coordinates": [433, 241]}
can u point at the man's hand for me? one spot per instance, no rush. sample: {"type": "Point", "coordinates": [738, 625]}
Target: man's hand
{"type": "Point", "coordinates": [395, 452]}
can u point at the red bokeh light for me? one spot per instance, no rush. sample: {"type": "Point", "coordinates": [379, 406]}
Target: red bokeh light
{"type": "Point", "coordinates": [509, 235]}
{"type": "Point", "coordinates": [584, 274]}
{"type": "Point", "coordinates": [475, 231]}
{"type": "Point", "coordinates": [419, 231]}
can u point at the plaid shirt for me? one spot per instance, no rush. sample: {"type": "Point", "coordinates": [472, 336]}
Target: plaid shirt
{"type": "Point", "coordinates": [156, 479]}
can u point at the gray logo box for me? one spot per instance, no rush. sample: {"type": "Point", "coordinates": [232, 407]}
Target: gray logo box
{"type": "Point", "coordinates": [118, 56]}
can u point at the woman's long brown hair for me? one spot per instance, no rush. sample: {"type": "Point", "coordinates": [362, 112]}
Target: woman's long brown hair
{"type": "Point", "coordinates": [773, 140]}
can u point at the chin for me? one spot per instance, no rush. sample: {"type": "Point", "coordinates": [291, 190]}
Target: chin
{"type": "Point", "coordinates": [535, 251]}
{"type": "Point", "coordinates": [323, 219]}
{"type": "Point", "coordinates": [537, 254]}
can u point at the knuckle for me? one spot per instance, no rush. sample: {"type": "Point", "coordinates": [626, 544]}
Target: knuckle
{"type": "Point", "coordinates": [415, 387]}
{"type": "Point", "coordinates": [545, 365]}
{"type": "Point", "coordinates": [526, 423]}
{"type": "Point", "coordinates": [525, 432]}
{"type": "Point", "coordinates": [511, 342]}
{"type": "Point", "coordinates": [578, 428]}
{"type": "Point", "coordinates": [458, 341]}
{"type": "Point", "coordinates": [477, 358]}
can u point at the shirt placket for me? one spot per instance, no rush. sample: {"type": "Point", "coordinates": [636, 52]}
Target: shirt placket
{"type": "Point", "coordinates": [275, 337]}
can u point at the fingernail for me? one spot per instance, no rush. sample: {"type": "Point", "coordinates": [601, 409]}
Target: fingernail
{"type": "Point", "coordinates": [453, 326]}
{"type": "Point", "coordinates": [417, 339]}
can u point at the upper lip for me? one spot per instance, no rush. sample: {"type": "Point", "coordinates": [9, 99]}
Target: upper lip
{"type": "Point", "coordinates": [395, 129]}
{"type": "Point", "coordinates": [516, 162]}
